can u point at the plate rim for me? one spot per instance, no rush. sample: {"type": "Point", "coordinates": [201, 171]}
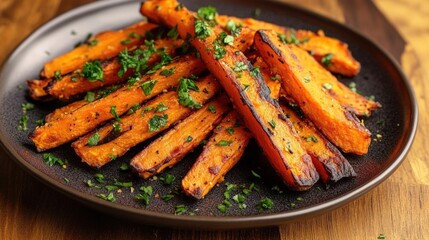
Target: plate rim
{"type": "Point", "coordinates": [213, 222]}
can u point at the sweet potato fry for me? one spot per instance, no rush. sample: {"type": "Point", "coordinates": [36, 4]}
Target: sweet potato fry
{"type": "Point", "coordinates": [170, 148]}
{"type": "Point", "coordinates": [249, 94]}
{"type": "Point", "coordinates": [73, 84]}
{"type": "Point", "coordinates": [329, 162]}
{"type": "Point", "coordinates": [331, 52]}
{"type": "Point", "coordinates": [91, 115]}
{"type": "Point", "coordinates": [292, 64]}
{"type": "Point", "coordinates": [223, 150]}
{"type": "Point", "coordinates": [143, 124]}
{"type": "Point", "coordinates": [103, 46]}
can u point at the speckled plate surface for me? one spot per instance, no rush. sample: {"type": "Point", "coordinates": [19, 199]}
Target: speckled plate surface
{"type": "Point", "coordinates": [380, 76]}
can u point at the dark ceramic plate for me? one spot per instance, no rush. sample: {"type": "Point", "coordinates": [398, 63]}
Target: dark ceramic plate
{"type": "Point", "coordinates": [380, 76]}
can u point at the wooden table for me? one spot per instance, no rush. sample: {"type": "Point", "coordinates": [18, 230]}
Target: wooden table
{"type": "Point", "coordinates": [398, 208]}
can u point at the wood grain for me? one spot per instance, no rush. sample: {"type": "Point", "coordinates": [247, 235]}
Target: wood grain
{"type": "Point", "coordinates": [398, 208]}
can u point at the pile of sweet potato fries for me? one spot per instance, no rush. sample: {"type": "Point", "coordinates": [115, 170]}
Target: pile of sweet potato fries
{"type": "Point", "coordinates": [206, 78]}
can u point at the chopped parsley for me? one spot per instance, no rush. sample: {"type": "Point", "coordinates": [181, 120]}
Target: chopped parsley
{"type": "Point", "coordinates": [27, 107]}
{"type": "Point", "coordinates": [180, 209]}
{"type": "Point", "coordinates": [126, 41]}
{"type": "Point", "coordinates": [160, 107]}
{"type": "Point", "coordinates": [157, 122]}
{"type": "Point", "coordinates": [167, 197]}
{"type": "Point", "coordinates": [134, 35]}
{"type": "Point", "coordinates": [277, 189]}
{"type": "Point", "coordinates": [245, 87]}
{"type": "Point", "coordinates": [99, 177]}
{"type": "Point", "coordinates": [327, 59]}
{"type": "Point", "coordinates": [212, 108]}
{"type": "Point", "coordinates": [137, 60]}
{"type": "Point", "coordinates": [265, 204]}
{"type": "Point", "coordinates": [233, 28]}
{"type": "Point", "coordinates": [173, 33]}
{"type": "Point", "coordinates": [255, 174]}
{"type": "Point", "coordinates": [165, 59]}
{"type": "Point", "coordinates": [230, 130]}
{"type": "Point", "coordinates": [90, 96]}
{"type": "Point", "coordinates": [206, 18]}
{"type": "Point", "coordinates": [114, 113]}
{"type": "Point", "coordinates": [255, 71]}
{"type": "Point", "coordinates": [116, 127]}
{"type": "Point", "coordinates": [122, 184]}
{"type": "Point", "coordinates": [307, 79]}
{"type": "Point", "coordinates": [202, 29]}
{"type": "Point", "coordinates": [92, 43]}
{"type": "Point", "coordinates": [185, 98]}
{"type": "Point", "coordinates": [311, 138]}
{"type": "Point", "coordinates": [23, 123]}
{"type": "Point", "coordinates": [275, 77]}
{"type": "Point", "coordinates": [94, 139]}
{"type": "Point", "coordinates": [208, 13]}
{"type": "Point", "coordinates": [93, 71]}
{"type": "Point", "coordinates": [239, 67]}
{"type": "Point", "coordinates": [57, 75]}
{"type": "Point", "coordinates": [381, 236]}
{"type": "Point", "coordinates": [124, 167]}
{"type": "Point", "coordinates": [189, 139]}
{"type": "Point", "coordinates": [148, 86]}
{"type": "Point", "coordinates": [40, 122]}
{"type": "Point", "coordinates": [167, 72]}
{"type": "Point", "coordinates": [272, 123]}
{"type": "Point", "coordinates": [51, 159]}
{"type": "Point", "coordinates": [292, 38]}
{"type": "Point", "coordinates": [110, 197]}
{"type": "Point", "coordinates": [168, 179]}
{"type": "Point", "coordinates": [224, 143]}
{"type": "Point", "coordinates": [134, 108]}
{"type": "Point", "coordinates": [239, 198]}
{"type": "Point", "coordinates": [219, 51]}
{"type": "Point", "coordinates": [352, 86]}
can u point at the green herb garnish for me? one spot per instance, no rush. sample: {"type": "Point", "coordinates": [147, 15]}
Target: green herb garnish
{"type": "Point", "coordinates": [93, 71]}
{"type": "Point", "coordinates": [148, 86]}
{"type": "Point", "coordinates": [223, 143]}
{"type": "Point", "coordinates": [327, 59]}
{"type": "Point", "coordinates": [157, 122]}
{"type": "Point", "coordinates": [93, 139]}
{"type": "Point", "coordinates": [51, 159]}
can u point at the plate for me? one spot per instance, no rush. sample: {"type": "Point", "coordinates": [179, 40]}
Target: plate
{"type": "Point", "coordinates": [381, 76]}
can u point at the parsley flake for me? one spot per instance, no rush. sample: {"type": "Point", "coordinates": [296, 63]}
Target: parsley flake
{"type": "Point", "coordinates": [327, 59]}
{"type": "Point", "coordinates": [148, 86]}
{"type": "Point", "coordinates": [224, 143]}
{"type": "Point", "coordinates": [51, 159]}
{"type": "Point", "coordinates": [157, 122]}
{"type": "Point", "coordinates": [93, 71]}
{"type": "Point", "coordinates": [94, 139]}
